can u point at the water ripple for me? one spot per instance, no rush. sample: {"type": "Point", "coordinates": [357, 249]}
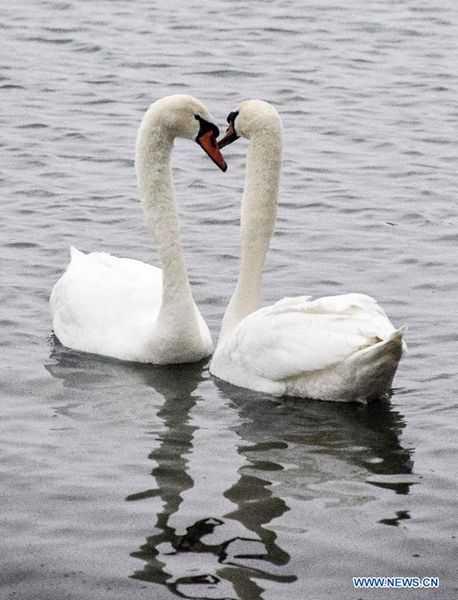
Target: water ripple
{"type": "Point", "coordinates": [229, 494]}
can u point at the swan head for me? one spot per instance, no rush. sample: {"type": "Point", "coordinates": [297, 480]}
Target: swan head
{"type": "Point", "coordinates": [186, 117]}
{"type": "Point", "coordinates": [249, 119]}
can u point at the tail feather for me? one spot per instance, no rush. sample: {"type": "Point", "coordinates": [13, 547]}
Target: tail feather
{"type": "Point", "coordinates": [393, 346]}
{"type": "Point", "coordinates": [376, 365]}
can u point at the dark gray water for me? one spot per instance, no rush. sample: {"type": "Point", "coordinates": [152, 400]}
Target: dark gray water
{"type": "Point", "coordinates": [126, 481]}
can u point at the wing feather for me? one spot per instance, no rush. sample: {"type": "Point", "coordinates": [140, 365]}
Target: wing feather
{"type": "Point", "coordinates": [297, 335]}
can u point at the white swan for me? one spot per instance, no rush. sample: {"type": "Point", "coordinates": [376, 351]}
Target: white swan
{"type": "Point", "coordinates": [127, 309]}
{"type": "Point", "coordinates": [340, 348]}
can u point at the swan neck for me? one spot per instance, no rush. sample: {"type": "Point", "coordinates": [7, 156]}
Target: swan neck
{"type": "Point", "coordinates": [154, 178]}
{"type": "Point", "coordinates": [258, 217]}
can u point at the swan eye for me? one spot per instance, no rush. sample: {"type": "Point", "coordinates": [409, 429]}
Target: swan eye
{"type": "Point", "coordinates": [206, 126]}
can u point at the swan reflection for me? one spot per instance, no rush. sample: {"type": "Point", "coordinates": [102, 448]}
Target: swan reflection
{"type": "Point", "coordinates": [324, 441]}
{"type": "Point", "coordinates": [230, 464]}
{"type": "Point", "coordinates": [210, 538]}
{"type": "Point", "coordinates": [239, 478]}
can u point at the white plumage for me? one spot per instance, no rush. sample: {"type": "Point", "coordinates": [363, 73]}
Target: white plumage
{"type": "Point", "coordinates": [127, 309]}
{"type": "Point", "coordinates": [331, 348]}
{"type": "Point", "coordinates": [108, 306]}
{"type": "Point", "coordinates": [339, 348]}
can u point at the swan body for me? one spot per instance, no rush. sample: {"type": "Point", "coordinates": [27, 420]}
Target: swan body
{"type": "Point", "coordinates": [329, 349]}
{"type": "Point", "coordinates": [337, 348]}
{"type": "Point", "coordinates": [108, 306]}
{"type": "Point", "coordinates": [126, 309]}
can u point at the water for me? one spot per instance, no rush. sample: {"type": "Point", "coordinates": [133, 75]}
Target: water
{"type": "Point", "coordinates": [126, 481]}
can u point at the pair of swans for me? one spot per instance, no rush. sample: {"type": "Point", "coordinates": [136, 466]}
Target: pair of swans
{"type": "Point", "coordinates": [340, 348]}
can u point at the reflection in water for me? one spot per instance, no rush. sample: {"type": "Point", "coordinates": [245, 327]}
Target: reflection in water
{"type": "Point", "coordinates": [195, 560]}
{"type": "Point", "coordinates": [229, 463]}
{"type": "Point", "coordinates": [262, 435]}
{"type": "Point", "coordinates": [189, 557]}
{"type": "Point", "coordinates": [91, 372]}
{"type": "Point", "coordinates": [366, 436]}
{"type": "Point", "coordinates": [400, 516]}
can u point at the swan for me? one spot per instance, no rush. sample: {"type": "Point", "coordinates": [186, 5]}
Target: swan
{"type": "Point", "coordinates": [124, 308]}
{"type": "Point", "coordinates": [336, 348]}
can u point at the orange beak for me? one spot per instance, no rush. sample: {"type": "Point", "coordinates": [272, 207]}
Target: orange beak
{"type": "Point", "coordinates": [229, 137]}
{"type": "Point", "coordinates": [207, 142]}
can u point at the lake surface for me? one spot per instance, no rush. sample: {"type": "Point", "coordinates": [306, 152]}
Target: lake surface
{"type": "Point", "coordinates": [127, 481]}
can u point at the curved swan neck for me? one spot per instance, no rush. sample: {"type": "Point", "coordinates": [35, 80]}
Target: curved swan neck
{"type": "Point", "coordinates": [259, 213]}
{"type": "Point", "coordinates": [154, 177]}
